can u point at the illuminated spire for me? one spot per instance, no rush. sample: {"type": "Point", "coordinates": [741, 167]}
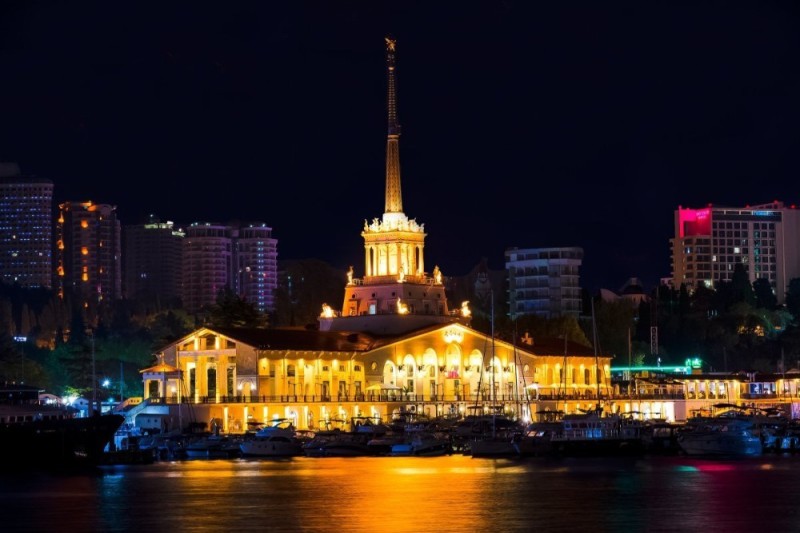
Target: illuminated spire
{"type": "Point", "coordinates": [394, 197]}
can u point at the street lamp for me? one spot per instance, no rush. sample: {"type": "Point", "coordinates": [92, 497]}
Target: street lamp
{"type": "Point", "coordinates": [20, 339]}
{"type": "Point", "coordinates": [95, 407]}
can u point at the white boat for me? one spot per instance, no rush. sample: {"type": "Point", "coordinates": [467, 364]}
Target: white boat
{"type": "Point", "coordinates": [536, 440]}
{"type": "Point", "coordinates": [278, 439]}
{"type": "Point", "coordinates": [595, 434]}
{"type": "Point", "coordinates": [423, 444]}
{"type": "Point", "coordinates": [272, 446]}
{"type": "Point", "coordinates": [277, 426]}
{"type": "Point", "coordinates": [497, 438]}
{"type": "Point", "coordinates": [721, 436]}
{"type": "Point", "coordinates": [338, 444]}
{"type": "Point", "coordinates": [213, 447]}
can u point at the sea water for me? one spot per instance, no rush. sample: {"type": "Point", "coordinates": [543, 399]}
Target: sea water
{"type": "Point", "coordinates": [412, 494]}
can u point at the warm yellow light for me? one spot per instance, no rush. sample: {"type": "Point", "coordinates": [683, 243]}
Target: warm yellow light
{"type": "Point", "coordinates": [84, 224]}
{"type": "Point", "coordinates": [327, 311]}
{"type": "Point", "coordinates": [465, 311]}
{"type": "Point", "coordinates": [85, 277]}
{"type": "Point", "coordinates": [402, 309]}
{"type": "Point", "coordinates": [437, 275]}
{"type": "Point", "coordinates": [84, 250]}
{"type": "Point", "coordinates": [453, 335]}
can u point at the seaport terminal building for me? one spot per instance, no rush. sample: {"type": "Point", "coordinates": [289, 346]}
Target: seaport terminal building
{"type": "Point", "coordinates": [395, 346]}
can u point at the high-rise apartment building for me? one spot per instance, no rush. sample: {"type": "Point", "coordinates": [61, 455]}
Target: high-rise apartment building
{"type": "Point", "coordinates": [152, 257]}
{"type": "Point", "coordinates": [710, 241]}
{"type": "Point", "coordinates": [26, 228]}
{"type": "Point", "coordinates": [88, 251]}
{"type": "Point", "coordinates": [243, 258]}
{"type": "Point", "coordinates": [257, 265]}
{"type": "Point", "coordinates": [207, 264]}
{"type": "Point", "coordinates": [544, 281]}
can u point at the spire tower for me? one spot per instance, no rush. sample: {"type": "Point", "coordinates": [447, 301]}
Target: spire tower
{"type": "Point", "coordinates": [394, 196]}
{"type": "Point", "coordinates": [396, 294]}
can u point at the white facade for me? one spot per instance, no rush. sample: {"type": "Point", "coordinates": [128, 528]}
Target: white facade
{"type": "Point", "coordinates": [257, 266]}
{"type": "Point", "coordinates": [544, 281]}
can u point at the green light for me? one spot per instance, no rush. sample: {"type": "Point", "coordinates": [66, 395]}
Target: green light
{"type": "Point", "coordinates": [676, 369]}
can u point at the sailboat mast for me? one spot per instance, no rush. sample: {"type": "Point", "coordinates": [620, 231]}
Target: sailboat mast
{"type": "Point", "coordinates": [596, 360]}
{"type": "Point", "coordinates": [564, 372]}
{"type": "Point", "coordinates": [491, 361]}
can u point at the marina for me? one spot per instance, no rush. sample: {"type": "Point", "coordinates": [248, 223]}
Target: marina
{"type": "Point", "coordinates": [730, 433]}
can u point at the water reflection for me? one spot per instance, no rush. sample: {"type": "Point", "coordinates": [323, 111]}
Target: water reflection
{"type": "Point", "coordinates": [401, 494]}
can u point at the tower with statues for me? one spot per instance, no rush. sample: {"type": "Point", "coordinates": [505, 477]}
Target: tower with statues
{"type": "Point", "coordinates": [393, 346]}
{"type": "Point", "coordinates": [396, 293]}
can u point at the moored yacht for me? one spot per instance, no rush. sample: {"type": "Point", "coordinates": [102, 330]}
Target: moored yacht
{"type": "Point", "coordinates": [34, 434]}
{"type": "Point", "coordinates": [721, 436]}
{"type": "Point", "coordinates": [595, 434]}
{"type": "Point", "coordinates": [277, 439]}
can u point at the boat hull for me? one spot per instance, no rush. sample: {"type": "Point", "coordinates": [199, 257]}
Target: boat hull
{"type": "Point", "coordinates": [713, 444]}
{"type": "Point", "coordinates": [276, 446]}
{"type": "Point", "coordinates": [57, 443]}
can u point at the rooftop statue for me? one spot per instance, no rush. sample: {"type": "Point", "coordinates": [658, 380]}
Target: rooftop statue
{"type": "Point", "coordinates": [437, 275]}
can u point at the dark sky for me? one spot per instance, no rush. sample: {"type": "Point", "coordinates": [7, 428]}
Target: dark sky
{"type": "Point", "coordinates": [525, 124]}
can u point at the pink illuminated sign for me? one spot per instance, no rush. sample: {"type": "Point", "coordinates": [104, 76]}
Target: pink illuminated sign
{"type": "Point", "coordinates": [694, 222]}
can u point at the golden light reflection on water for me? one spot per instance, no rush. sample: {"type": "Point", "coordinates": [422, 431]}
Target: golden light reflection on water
{"type": "Point", "coordinates": [404, 494]}
{"type": "Point", "coordinates": [362, 493]}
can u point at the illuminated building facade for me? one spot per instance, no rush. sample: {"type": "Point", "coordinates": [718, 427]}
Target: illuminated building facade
{"type": "Point", "coordinates": [710, 242]}
{"type": "Point", "coordinates": [544, 281]}
{"type": "Point", "coordinates": [396, 293]}
{"type": "Point", "coordinates": [26, 228]}
{"type": "Point", "coordinates": [88, 251]}
{"type": "Point", "coordinates": [395, 345]}
{"type": "Point", "coordinates": [257, 265]}
{"type": "Point", "coordinates": [207, 264]}
{"type": "Point", "coordinates": [369, 361]}
{"type": "Point", "coordinates": [152, 256]}
{"type": "Point", "coordinates": [243, 258]}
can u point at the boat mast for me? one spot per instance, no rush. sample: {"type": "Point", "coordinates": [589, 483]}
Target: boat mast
{"type": "Point", "coordinates": [596, 360]}
{"type": "Point", "coordinates": [564, 372]}
{"type": "Point", "coordinates": [492, 395]}
{"type": "Point", "coordinates": [517, 378]}
{"type": "Point", "coordinates": [491, 361]}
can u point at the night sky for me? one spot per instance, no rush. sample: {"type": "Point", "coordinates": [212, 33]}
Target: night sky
{"type": "Point", "coordinates": [525, 124]}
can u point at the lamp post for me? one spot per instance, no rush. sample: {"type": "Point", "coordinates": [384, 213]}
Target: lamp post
{"type": "Point", "coordinates": [95, 408]}
{"type": "Point", "coordinates": [19, 340]}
